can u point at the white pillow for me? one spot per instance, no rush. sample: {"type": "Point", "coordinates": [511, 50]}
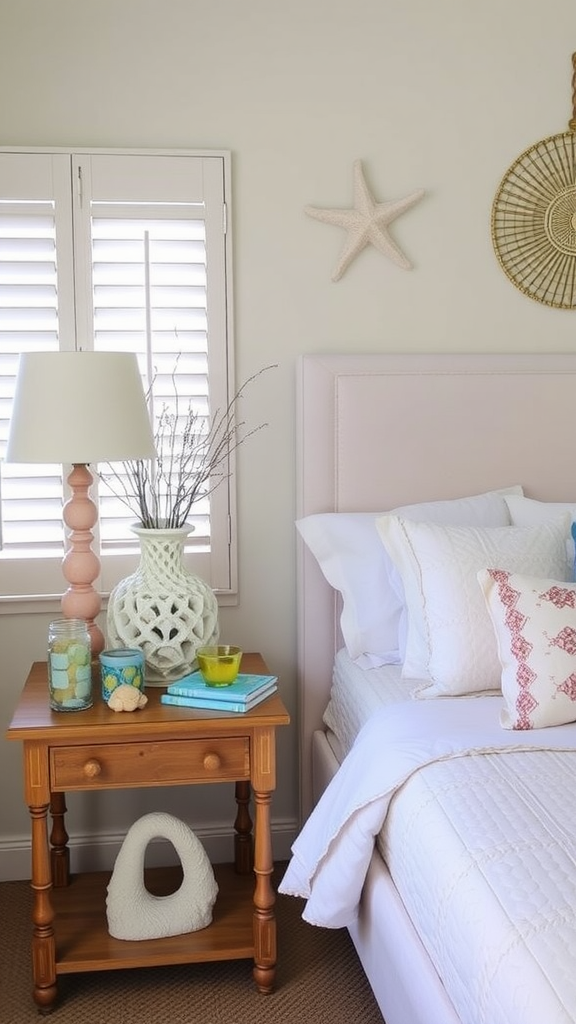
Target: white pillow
{"type": "Point", "coordinates": [353, 560]}
{"type": "Point", "coordinates": [451, 642]}
{"type": "Point", "coordinates": [529, 512]}
{"type": "Point", "coordinates": [534, 622]}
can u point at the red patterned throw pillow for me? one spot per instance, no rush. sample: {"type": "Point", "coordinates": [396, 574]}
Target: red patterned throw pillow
{"type": "Point", "coordinates": [534, 622]}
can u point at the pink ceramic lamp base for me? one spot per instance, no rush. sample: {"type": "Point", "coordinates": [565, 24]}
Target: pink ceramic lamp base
{"type": "Point", "coordinates": [81, 566]}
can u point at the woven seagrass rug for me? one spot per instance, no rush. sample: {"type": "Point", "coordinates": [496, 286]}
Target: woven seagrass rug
{"type": "Point", "coordinates": [319, 979]}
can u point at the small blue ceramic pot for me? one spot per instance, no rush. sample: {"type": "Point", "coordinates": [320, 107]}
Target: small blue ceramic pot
{"type": "Point", "coordinates": [123, 666]}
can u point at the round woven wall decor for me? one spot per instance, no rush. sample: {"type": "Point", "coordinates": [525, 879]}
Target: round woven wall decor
{"type": "Point", "coordinates": [534, 218]}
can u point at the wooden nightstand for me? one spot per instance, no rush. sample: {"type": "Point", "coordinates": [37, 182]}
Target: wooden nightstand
{"type": "Point", "coordinates": [156, 746]}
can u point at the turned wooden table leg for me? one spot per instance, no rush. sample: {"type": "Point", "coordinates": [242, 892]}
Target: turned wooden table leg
{"type": "Point", "coordinates": [264, 898]}
{"type": "Point", "coordinates": [243, 838]}
{"type": "Point", "coordinates": [59, 852]}
{"type": "Point", "coordinates": [43, 941]}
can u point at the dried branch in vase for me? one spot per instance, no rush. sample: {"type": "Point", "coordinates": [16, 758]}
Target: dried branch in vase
{"type": "Point", "coordinates": [192, 459]}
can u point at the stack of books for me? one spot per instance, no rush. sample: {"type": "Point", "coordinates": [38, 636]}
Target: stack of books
{"type": "Point", "coordinates": [244, 693]}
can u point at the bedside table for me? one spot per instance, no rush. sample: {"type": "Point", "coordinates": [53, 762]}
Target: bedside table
{"type": "Point", "coordinates": [158, 745]}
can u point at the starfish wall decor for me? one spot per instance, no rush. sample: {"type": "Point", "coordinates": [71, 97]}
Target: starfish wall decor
{"type": "Point", "coordinates": [367, 223]}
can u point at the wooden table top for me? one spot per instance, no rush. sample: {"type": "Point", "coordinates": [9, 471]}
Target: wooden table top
{"type": "Point", "coordinates": [33, 718]}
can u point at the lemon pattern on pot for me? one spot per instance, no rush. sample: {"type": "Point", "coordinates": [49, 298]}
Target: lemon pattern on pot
{"type": "Point", "coordinates": [122, 666]}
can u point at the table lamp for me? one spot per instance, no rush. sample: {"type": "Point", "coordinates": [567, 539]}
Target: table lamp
{"type": "Point", "coordinates": [79, 408]}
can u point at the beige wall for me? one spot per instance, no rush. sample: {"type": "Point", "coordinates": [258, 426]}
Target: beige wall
{"type": "Point", "coordinates": [441, 95]}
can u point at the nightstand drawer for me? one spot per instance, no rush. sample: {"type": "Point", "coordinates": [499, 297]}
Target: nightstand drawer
{"type": "Point", "coordinates": [166, 762]}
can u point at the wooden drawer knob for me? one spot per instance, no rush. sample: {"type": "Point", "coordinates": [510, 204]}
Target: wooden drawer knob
{"type": "Point", "coordinates": [92, 769]}
{"type": "Point", "coordinates": [211, 762]}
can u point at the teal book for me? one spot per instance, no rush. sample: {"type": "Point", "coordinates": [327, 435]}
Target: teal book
{"type": "Point", "coordinates": [213, 704]}
{"type": "Point", "coordinates": [245, 685]}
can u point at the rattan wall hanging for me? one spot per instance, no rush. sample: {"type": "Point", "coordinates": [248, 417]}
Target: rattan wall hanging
{"type": "Point", "coordinates": [534, 218]}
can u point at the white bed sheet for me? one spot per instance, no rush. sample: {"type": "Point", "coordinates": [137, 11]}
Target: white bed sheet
{"type": "Point", "coordinates": [356, 694]}
{"type": "Point", "coordinates": [482, 851]}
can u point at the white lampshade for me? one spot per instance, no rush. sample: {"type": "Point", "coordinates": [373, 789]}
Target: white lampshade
{"type": "Point", "coordinates": [79, 407]}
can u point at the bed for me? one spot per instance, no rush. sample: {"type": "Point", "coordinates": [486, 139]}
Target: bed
{"type": "Point", "coordinates": [379, 432]}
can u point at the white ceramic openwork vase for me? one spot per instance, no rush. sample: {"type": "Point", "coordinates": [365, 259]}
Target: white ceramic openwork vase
{"type": "Point", "coordinates": [162, 608]}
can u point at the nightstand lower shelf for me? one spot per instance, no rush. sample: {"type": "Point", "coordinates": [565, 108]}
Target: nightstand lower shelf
{"type": "Point", "coordinates": [83, 942]}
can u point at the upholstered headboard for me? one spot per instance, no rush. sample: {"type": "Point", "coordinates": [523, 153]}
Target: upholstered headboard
{"type": "Point", "coordinates": [377, 431]}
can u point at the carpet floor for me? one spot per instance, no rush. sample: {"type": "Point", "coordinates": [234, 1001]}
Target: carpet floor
{"type": "Point", "coordinates": [318, 979]}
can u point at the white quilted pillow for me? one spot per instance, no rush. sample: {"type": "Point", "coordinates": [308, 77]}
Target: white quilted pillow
{"type": "Point", "coordinates": [451, 643]}
{"type": "Point", "coordinates": [534, 623]}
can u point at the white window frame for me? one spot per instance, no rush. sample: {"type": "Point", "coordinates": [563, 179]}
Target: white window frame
{"type": "Point", "coordinates": [31, 584]}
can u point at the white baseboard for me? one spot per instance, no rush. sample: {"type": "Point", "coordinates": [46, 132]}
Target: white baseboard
{"type": "Point", "coordinates": [99, 852]}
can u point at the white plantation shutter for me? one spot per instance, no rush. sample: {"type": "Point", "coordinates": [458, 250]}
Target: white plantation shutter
{"type": "Point", "coordinates": [149, 275]}
{"type": "Point", "coordinates": [150, 297]}
{"type": "Point", "coordinates": [28, 320]}
{"type": "Point", "coordinates": [36, 309]}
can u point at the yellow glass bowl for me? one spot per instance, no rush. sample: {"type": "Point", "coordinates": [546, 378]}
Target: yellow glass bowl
{"type": "Point", "coordinates": [220, 664]}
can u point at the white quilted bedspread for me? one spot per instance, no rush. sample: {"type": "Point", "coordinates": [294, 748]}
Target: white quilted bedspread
{"type": "Point", "coordinates": [484, 851]}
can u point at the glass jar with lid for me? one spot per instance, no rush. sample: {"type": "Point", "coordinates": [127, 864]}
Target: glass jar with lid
{"type": "Point", "coordinates": [69, 665]}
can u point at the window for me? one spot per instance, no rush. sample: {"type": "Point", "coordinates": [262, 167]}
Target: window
{"type": "Point", "coordinates": [124, 251]}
